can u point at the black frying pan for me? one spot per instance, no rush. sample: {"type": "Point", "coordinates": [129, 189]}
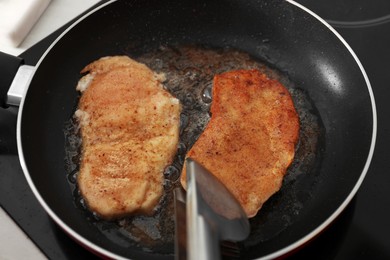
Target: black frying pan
{"type": "Point", "coordinates": [280, 33]}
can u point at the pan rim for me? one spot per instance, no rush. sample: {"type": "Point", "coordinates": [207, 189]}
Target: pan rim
{"type": "Point", "coordinates": [353, 192]}
{"type": "Point", "coordinates": [283, 251]}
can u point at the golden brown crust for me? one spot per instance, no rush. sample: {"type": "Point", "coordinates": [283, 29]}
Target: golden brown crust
{"type": "Point", "coordinates": [130, 130]}
{"type": "Point", "coordinates": [250, 140]}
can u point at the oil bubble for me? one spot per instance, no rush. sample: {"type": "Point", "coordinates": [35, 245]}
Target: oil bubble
{"type": "Point", "coordinates": [171, 173]}
{"type": "Point", "coordinates": [207, 94]}
{"type": "Point", "coordinates": [72, 177]}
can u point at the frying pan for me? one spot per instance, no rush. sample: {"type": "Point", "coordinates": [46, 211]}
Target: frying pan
{"type": "Point", "coordinates": [282, 34]}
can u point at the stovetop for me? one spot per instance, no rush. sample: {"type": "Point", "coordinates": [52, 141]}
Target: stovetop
{"type": "Point", "coordinates": [361, 231]}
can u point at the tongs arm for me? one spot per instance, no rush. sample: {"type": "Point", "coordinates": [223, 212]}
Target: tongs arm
{"type": "Point", "coordinates": [212, 214]}
{"type": "Point", "coordinates": [202, 238]}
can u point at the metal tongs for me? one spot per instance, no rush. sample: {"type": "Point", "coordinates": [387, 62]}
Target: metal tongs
{"type": "Point", "coordinates": [207, 214]}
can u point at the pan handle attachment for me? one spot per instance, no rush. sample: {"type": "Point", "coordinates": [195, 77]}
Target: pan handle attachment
{"type": "Point", "coordinates": [19, 84]}
{"type": "Point", "coordinates": [14, 79]}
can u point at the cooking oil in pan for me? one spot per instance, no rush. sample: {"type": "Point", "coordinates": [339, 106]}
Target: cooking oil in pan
{"type": "Point", "coordinates": [189, 72]}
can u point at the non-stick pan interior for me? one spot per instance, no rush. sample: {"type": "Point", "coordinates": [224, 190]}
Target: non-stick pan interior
{"type": "Point", "coordinates": [276, 32]}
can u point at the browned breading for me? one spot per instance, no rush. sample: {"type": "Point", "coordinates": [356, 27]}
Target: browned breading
{"type": "Point", "coordinates": [130, 130]}
{"type": "Point", "coordinates": [250, 140]}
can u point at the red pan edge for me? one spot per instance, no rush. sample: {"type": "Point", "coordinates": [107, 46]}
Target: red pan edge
{"type": "Point", "coordinates": [282, 252]}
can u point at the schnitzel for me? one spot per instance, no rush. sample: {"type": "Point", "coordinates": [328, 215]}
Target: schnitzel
{"type": "Point", "coordinates": [250, 140]}
{"type": "Point", "coordinates": [130, 130]}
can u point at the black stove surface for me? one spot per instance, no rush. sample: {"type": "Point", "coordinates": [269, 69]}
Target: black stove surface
{"type": "Point", "coordinates": [361, 231]}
